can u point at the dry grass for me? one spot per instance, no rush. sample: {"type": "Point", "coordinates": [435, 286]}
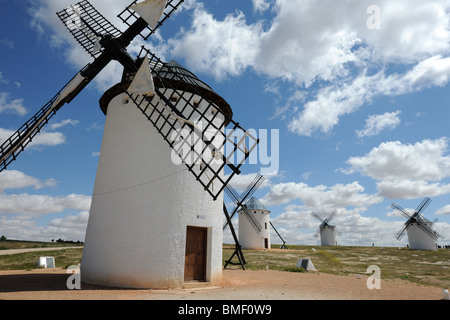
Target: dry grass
{"type": "Point", "coordinates": [423, 267]}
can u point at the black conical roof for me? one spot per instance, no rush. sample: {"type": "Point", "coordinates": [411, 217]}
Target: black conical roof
{"type": "Point", "coordinates": [174, 71]}
{"type": "Point", "coordinates": [174, 75]}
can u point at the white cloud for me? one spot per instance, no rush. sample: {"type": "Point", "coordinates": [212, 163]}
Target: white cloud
{"type": "Point", "coordinates": [411, 189]}
{"type": "Point", "coordinates": [8, 105]}
{"type": "Point", "coordinates": [13, 179]}
{"type": "Point", "coordinates": [377, 123]}
{"type": "Point", "coordinates": [48, 139]}
{"type": "Point", "coordinates": [26, 204]}
{"type": "Point", "coordinates": [69, 223]}
{"type": "Point", "coordinates": [334, 101]}
{"type": "Point", "coordinates": [63, 123]}
{"type": "Point", "coordinates": [424, 160]}
{"type": "Point", "coordinates": [320, 197]}
{"type": "Point", "coordinates": [22, 211]}
{"type": "Point", "coordinates": [406, 170]}
{"type": "Point", "coordinates": [218, 47]}
{"type": "Point", "coordinates": [2, 79]}
{"type": "Point", "coordinates": [261, 5]}
{"type": "Point", "coordinates": [70, 227]}
{"type": "Point", "coordinates": [43, 138]}
{"type": "Point", "coordinates": [444, 211]}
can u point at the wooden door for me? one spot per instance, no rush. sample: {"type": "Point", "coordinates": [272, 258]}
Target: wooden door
{"type": "Point", "coordinates": [195, 257]}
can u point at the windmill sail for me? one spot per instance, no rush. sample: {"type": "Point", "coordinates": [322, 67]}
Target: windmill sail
{"type": "Point", "coordinates": [143, 80]}
{"type": "Point", "coordinates": [150, 10]}
{"type": "Point", "coordinates": [129, 16]}
{"type": "Point", "coordinates": [16, 143]}
{"type": "Point", "coordinates": [86, 25]}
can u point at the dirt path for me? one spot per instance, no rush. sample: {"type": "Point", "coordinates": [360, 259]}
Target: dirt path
{"type": "Point", "coordinates": [16, 251]}
{"type": "Point", "coordinates": [50, 284]}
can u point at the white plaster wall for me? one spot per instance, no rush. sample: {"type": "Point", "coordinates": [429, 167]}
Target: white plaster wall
{"type": "Point", "coordinates": [248, 237]}
{"type": "Point", "coordinates": [141, 206]}
{"type": "Point", "coordinates": [327, 236]}
{"type": "Point", "coordinates": [419, 240]}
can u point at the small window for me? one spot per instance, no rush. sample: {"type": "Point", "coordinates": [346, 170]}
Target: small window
{"type": "Point", "coordinates": [265, 225]}
{"type": "Point", "coordinates": [174, 99]}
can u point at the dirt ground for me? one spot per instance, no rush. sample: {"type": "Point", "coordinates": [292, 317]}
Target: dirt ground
{"type": "Point", "coordinates": [50, 284]}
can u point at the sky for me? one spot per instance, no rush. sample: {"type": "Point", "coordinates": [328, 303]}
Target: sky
{"type": "Point", "coordinates": [350, 98]}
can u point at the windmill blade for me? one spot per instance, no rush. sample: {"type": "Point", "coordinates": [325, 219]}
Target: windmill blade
{"type": "Point", "coordinates": [331, 216]}
{"type": "Point", "coordinates": [401, 233]}
{"type": "Point", "coordinates": [430, 232]}
{"type": "Point", "coordinates": [129, 15]}
{"type": "Point", "coordinates": [316, 235]}
{"type": "Point", "coordinates": [252, 187]}
{"type": "Point", "coordinates": [231, 216]}
{"type": "Point", "coordinates": [248, 192]}
{"type": "Point", "coordinates": [195, 130]}
{"type": "Point", "coordinates": [315, 215]}
{"type": "Point", "coordinates": [283, 246]}
{"type": "Point", "coordinates": [422, 206]}
{"type": "Point", "coordinates": [253, 221]}
{"type": "Point", "coordinates": [16, 143]}
{"type": "Point", "coordinates": [232, 193]}
{"type": "Point", "coordinates": [87, 26]}
{"type": "Point", "coordinates": [401, 210]}
{"type": "Point", "coordinates": [337, 231]}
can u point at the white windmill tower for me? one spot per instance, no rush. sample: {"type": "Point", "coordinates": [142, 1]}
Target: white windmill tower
{"type": "Point", "coordinates": [326, 230]}
{"type": "Point", "coordinates": [156, 212]}
{"type": "Point", "coordinates": [421, 236]}
{"type": "Point", "coordinates": [251, 235]}
{"type": "Point", "coordinates": [254, 225]}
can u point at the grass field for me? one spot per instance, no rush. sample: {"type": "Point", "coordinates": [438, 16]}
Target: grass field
{"type": "Point", "coordinates": [422, 267]}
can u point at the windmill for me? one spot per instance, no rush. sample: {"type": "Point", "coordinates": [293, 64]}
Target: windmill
{"type": "Point", "coordinates": [421, 236]}
{"type": "Point", "coordinates": [254, 225]}
{"type": "Point", "coordinates": [148, 215]}
{"type": "Point", "coordinates": [326, 230]}
{"type": "Point", "coordinates": [239, 203]}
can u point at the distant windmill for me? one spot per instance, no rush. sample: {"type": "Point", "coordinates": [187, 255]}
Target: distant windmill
{"type": "Point", "coordinates": [239, 204]}
{"type": "Point", "coordinates": [421, 236]}
{"type": "Point", "coordinates": [327, 231]}
{"type": "Point", "coordinates": [254, 225]}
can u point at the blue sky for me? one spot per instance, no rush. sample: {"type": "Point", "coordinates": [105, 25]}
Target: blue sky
{"type": "Point", "coordinates": [360, 108]}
